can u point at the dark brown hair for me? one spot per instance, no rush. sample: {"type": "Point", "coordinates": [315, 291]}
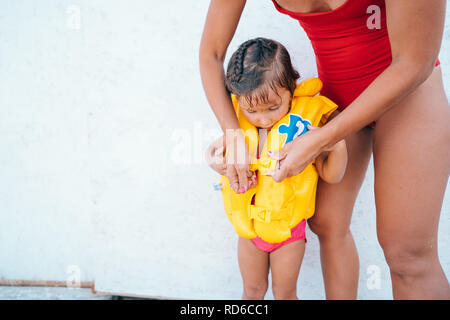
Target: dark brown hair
{"type": "Point", "coordinates": [258, 66]}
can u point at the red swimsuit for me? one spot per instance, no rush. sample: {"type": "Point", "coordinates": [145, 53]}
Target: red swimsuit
{"type": "Point", "coordinates": [349, 55]}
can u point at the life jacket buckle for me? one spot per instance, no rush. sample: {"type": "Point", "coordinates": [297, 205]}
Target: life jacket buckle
{"type": "Point", "coordinates": [266, 164]}
{"type": "Point", "coordinates": [259, 213]}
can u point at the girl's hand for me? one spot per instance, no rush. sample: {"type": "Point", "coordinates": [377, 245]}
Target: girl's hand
{"type": "Point", "coordinates": [297, 154]}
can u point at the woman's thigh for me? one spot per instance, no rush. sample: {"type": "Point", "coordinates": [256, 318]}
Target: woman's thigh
{"type": "Point", "coordinates": [412, 163]}
{"type": "Point", "coordinates": [334, 202]}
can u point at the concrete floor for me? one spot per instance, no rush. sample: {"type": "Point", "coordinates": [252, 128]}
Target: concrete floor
{"type": "Point", "coordinates": [49, 293]}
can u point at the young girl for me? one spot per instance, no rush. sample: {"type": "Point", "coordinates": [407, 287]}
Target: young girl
{"type": "Point", "coordinates": [270, 217]}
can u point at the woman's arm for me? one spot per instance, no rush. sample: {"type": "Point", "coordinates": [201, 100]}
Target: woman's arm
{"type": "Point", "coordinates": [221, 23]}
{"type": "Point", "coordinates": [415, 31]}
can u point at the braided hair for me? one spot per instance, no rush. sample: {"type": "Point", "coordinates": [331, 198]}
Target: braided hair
{"type": "Point", "coordinates": [258, 66]}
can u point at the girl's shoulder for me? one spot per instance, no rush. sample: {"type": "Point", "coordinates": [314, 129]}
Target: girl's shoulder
{"type": "Point", "coordinates": [308, 88]}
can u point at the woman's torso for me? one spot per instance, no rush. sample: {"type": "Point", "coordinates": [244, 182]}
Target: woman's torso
{"type": "Point", "coordinates": [310, 6]}
{"type": "Point", "coordinates": [351, 44]}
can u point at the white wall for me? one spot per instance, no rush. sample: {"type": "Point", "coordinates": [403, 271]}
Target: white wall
{"type": "Point", "coordinates": [103, 126]}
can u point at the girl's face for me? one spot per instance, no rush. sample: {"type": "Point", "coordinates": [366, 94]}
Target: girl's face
{"type": "Point", "coordinates": [264, 116]}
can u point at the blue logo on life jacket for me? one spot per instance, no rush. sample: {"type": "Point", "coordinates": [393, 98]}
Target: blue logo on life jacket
{"type": "Point", "coordinates": [297, 126]}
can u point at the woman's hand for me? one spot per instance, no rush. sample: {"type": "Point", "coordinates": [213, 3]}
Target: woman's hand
{"type": "Point", "coordinates": [215, 156]}
{"type": "Point", "coordinates": [297, 154]}
{"type": "Point", "coordinates": [236, 163]}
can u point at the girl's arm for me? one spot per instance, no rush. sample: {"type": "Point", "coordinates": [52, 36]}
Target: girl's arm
{"type": "Point", "coordinates": [415, 31]}
{"type": "Point", "coordinates": [331, 164]}
{"type": "Point", "coordinates": [221, 23]}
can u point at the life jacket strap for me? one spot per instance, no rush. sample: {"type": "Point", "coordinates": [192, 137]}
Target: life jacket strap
{"type": "Point", "coordinates": [264, 164]}
{"type": "Point", "coordinates": [265, 215]}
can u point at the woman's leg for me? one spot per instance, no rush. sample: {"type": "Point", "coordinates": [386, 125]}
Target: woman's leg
{"type": "Point", "coordinates": [331, 221]}
{"type": "Point", "coordinates": [412, 164]}
{"type": "Point", "coordinates": [254, 266]}
{"type": "Point", "coordinates": [285, 265]}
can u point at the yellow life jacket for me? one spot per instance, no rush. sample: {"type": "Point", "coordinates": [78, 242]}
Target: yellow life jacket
{"type": "Point", "coordinates": [278, 207]}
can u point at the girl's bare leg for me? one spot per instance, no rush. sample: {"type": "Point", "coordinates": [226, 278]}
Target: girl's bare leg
{"type": "Point", "coordinates": [412, 164]}
{"type": "Point", "coordinates": [254, 266]}
{"type": "Point", "coordinates": [285, 263]}
{"type": "Point", "coordinates": [331, 221]}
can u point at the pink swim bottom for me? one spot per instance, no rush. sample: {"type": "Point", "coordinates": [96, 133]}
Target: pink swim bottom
{"type": "Point", "coordinates": [297, 233]}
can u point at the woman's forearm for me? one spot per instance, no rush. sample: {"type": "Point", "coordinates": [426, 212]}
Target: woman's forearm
{"type": "Point", "coordinates": [385, 92]}
{"type": "Point", "coordinates": [220, 25]}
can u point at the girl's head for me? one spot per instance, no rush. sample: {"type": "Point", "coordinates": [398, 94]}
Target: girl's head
{"type": "Point", "coordinates": [261, 76]}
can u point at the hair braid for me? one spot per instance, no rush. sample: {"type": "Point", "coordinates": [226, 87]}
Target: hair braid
{"type": "Point", "coordinates": [239, 57]}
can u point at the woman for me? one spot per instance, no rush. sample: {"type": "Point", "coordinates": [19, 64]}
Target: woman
{"type": "Point", "coordinates": [377, 68]}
